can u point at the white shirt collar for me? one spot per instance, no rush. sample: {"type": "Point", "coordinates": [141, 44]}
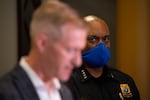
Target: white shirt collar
{"type": "Point", "coordinates": [37, 82]}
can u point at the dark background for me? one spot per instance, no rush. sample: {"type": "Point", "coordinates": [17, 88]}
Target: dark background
{"type": "Point", "coordinates": [105, 9]}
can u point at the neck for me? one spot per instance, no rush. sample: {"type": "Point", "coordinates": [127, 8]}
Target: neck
{"type": "Point", "coordinates": [95, 72]}
{"type": "Point", "coordinates": [35, 64]}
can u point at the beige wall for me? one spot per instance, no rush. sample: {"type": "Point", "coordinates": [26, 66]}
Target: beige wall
{"type": "Point", "coordinates": [8, 35]}
{"type": "Point", "coordinates": [132, 42]}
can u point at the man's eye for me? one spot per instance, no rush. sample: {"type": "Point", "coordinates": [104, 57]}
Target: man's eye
{"type": "Point", "coordinates": [93, 39]}
{"type": "Point", "coordinates": [70, 50]}
{"type": "Point", "coordinates": [106, 38]}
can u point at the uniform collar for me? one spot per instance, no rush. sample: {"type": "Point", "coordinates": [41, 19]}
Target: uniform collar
{"type": "Point", "coordinates": [107, 74]}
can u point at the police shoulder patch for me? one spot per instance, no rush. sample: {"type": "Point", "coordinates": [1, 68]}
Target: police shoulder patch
{"type": "Point", "coordinates": [125, 89]}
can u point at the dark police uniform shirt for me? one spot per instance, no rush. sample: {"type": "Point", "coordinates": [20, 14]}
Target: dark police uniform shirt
{"type": "Point", "coordinates": [112, 85]}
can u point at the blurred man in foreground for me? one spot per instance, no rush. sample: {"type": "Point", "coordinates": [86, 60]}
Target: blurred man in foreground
{"type": "Point", "coordinates": [57, 37]}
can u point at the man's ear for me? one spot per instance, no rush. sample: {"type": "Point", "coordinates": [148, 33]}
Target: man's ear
{"type": "Point", "coordinates": [42, 42]}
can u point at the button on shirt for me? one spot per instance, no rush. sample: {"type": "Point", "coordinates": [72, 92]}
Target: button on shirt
{"type": "Point", "coordinates": [39, 84]}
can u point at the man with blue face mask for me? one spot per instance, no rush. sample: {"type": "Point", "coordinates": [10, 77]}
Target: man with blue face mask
{"type": "Point", "coordinates": [95, 80]}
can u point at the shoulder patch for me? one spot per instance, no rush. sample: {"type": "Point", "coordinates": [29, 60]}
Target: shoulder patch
{"type": "Point", "coordinates": [125, 89]}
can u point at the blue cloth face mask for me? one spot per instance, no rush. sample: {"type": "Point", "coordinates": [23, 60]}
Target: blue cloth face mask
{"type": "Point", "coordinates": [97, 56]}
